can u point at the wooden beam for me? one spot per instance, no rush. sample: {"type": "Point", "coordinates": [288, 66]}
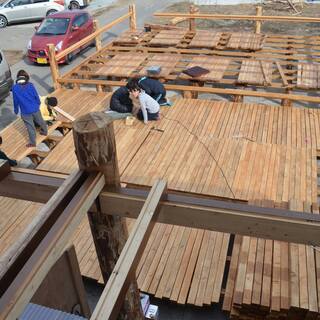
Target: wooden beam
{"type": "Point", "coordinates": [173, 87]}
{"type": "Point", "coordinates": [124, 272]}
{"type": "Point", "coordinates": [238, 17]}
{"type": "Point", "coordinates": [32, 273]}
{"type": "Point", "coordinates": [283, 76]}
{"type": "Point", "coordinates": [95, 146]}
{"type": "Point", "coordinates": [23, 246]}
{"type": "Point", "coordinates": [64, 114]}
{"type": "Point", "coordinates": [30, 186]}
{"type": "Point", "coordinates": [223, 216]}
{"type": "Point", "coordinates": [54, 66]}
{"type": "Point", "coordinates": [4, 170]}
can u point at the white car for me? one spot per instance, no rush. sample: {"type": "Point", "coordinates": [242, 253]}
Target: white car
{"type": "Point", "coordinates": [76, 4]}
{"type": "Point", "coordinates": [27, 10]}
{"type": "Point", "coordinates": [6, 81]}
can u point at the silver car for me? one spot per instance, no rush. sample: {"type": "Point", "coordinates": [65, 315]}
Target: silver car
{"type": "Point", "coordinates": [5, 77]}
{"type": "Point", "coordinates": [25, 10]}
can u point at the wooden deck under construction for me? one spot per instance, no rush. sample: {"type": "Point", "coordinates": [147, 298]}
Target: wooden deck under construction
{"type": "Point", "coordinates": [257, 154]}
{"type": "Point", "coordinates": [244, 152]}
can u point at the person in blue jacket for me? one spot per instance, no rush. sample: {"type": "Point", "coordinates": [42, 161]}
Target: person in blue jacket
{"type": "Point", "coordinates": [155, 89]}
{"type": "Point", "coordinates": [27, 101]}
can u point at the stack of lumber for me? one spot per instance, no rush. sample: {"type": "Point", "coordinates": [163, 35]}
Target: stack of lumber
{"type": "Point", "coordinates": [167, 62]}
{"type": "Point", "coordinates": [168, 38]}
{"type": "Point", "coordinates": [205, 39]}
{"type": "Point", "coordinates": [245, 41]}
{"type": "Point", "coordinates": [308, 76]}
{"type": "Point", "coordinates": [255, 72]}
{"type": "Point", "coordinates": [123, 63]}
{"type": "Point", "coordinates": [273, 279]}
{"type": "Point", "coordinates": [129, 38]}
{"type": "Point", "coordinates": [184, 265]}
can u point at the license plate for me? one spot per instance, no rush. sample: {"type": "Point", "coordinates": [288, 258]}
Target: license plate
{"type": "Point", "coordinates": [42, 60]}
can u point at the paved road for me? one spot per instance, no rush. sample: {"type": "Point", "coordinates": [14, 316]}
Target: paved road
{"type": "Point", "coordinates": [16, 37]}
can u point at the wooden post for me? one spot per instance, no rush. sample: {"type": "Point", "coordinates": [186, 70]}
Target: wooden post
{"type": "Point", "coordinates": [54, 66]}
{"type": "Point", "coordinates": [98, 43]}
{"type": "Point", "coordinates": [133, 18]}
{"type": "Point", "coordinates": [95, 146]}
{"type": "Point", "coordinates": [287, 102]}
{"type": "Point", "coordinates": [258, 23]}
{"type": "Point", "coordinates": [98, 37]}
{"type": "Point", "coordinates": [192, 21]}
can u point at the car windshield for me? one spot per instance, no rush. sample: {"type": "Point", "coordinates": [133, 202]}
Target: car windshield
{"type": "Point", "coordinates": [53, 26]}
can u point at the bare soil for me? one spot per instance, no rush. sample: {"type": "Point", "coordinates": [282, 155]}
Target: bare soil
{"type": "Point", "coordinates": [275, 9]}
{"type": "Point", "coordinates": [13, 56]}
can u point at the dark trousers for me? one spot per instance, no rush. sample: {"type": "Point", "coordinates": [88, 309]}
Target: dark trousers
{"type": "Point", "coordinates": [29, 120]}
{"type": "Point", "coordinates": [151, 116]}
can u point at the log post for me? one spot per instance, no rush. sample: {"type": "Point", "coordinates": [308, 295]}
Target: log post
{"type": "Point", "coordinates": [95, 147]}
{"type": "Point", "coordinates": [258, 23]}
{"type": "Point", "coordinates": [53, 66]}
{"type": "Point", "coordinates": [133, 18]}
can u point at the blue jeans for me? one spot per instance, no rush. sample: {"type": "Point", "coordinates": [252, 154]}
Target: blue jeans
{"type": "Point", "coordinates": [29, 120]}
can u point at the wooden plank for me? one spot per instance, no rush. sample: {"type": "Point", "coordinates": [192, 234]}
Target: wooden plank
{"type": "Point", "coordinates": [114, 292]}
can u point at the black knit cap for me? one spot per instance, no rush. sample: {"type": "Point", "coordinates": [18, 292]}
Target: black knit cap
{"type": "Point", "coordinates": [52, 101]}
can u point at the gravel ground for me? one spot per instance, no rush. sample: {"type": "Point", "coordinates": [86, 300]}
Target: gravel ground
{"type": "Point", "coordinates": [276, 9]}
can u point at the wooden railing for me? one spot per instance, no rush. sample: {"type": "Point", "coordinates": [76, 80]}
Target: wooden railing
{"type": "Point", "coordinates": [196, 89]}
{"type": "Point", "coordinates": [258, 18]}
{"type": "Point", "coordinates": [54, 57]}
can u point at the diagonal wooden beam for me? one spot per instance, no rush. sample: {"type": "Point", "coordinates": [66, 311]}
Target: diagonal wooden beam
{"type": "Point", "coordinates": [48, 251]}
{"type": "Point", "coordinates": [115, 290]}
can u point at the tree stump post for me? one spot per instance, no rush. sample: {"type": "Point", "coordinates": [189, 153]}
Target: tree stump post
{"type": "Point", "coordinates": [95, 147]}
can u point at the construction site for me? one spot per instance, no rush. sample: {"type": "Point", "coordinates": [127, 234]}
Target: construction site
{"type": "Point", "coordinates": [215, 205]}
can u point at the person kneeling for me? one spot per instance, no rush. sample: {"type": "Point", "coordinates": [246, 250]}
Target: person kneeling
{"type": "Point", "coordinates": [149, 108]}
{"type": "Point", "coordinates": [47, 109]}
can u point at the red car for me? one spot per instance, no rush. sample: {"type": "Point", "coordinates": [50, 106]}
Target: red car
{"type": "Point", "coordinates": [62, 29]}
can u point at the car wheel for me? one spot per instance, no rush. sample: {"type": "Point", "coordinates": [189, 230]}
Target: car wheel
{"type": "Point", "coordinates": [69, 58]}
{"type": "Point", "coordinates": [74, 5]}
{"type": "Point", "coordinates": [52, 11]}
{"type": "Point", "coordinates": [3, 22]}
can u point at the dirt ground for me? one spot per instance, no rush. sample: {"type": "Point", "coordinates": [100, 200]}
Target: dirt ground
{"type": "Point", "coordinates": [309, 10]}
{"type": "Point", "coordinates": [13, 56]}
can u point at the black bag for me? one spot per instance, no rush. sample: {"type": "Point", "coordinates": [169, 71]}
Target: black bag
{"type": "Point", "coordinates": [196, 71]}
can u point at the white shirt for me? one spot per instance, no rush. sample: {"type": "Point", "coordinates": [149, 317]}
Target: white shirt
{"type": "Point", "coordinates": [147, 103]}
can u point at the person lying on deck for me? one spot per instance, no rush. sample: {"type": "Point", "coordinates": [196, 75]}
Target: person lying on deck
{"type": "Point", "coordinates": [148, 107]}
{"type": "Point", "coordinates": [120, 99]}
{"type": "Point", "coordinates": [3, 156]}
{"type": "Point", "coordinates": [155, 89]}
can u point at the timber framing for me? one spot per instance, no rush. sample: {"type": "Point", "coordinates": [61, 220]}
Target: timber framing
{"type": "Point", "coordinates": [95, 189]}
{"type": "Point", "coordinates": [287, 68]}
